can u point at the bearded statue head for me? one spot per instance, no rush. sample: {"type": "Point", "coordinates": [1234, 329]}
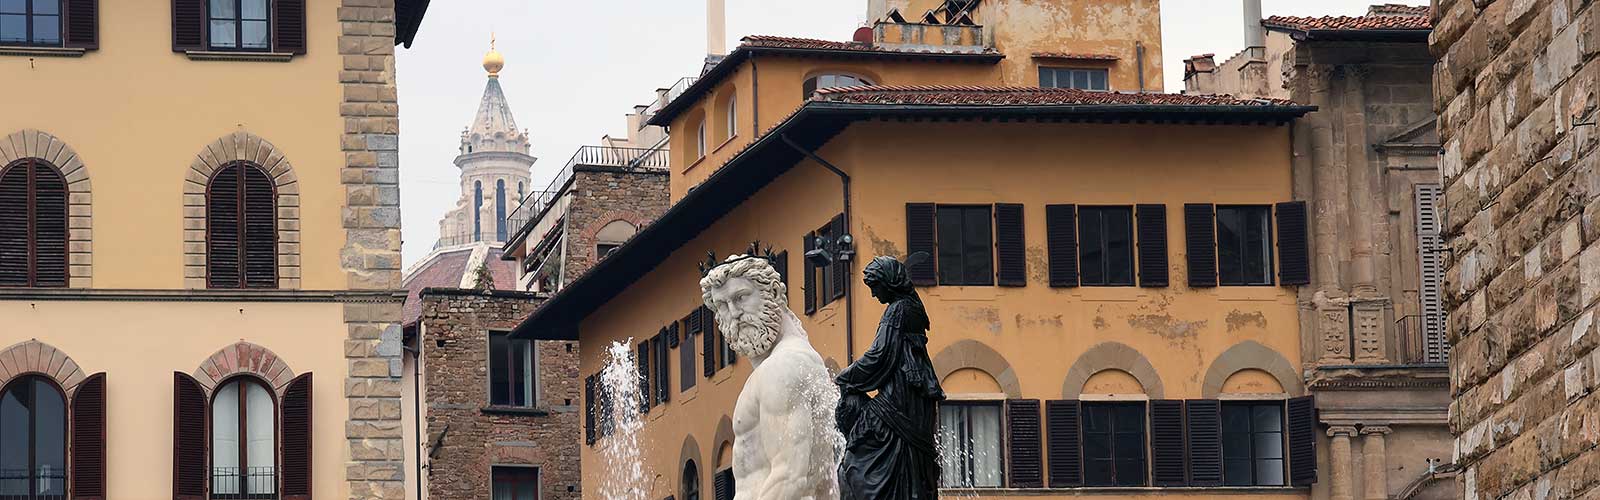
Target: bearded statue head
{"type": "Point", "coordinates": [748, 297]}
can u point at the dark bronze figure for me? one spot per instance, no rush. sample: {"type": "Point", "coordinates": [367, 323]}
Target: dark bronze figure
{"type": "Point", "coordinates": [890, 452]}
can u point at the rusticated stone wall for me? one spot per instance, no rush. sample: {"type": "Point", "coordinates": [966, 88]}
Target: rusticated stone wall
{"type": "Point", "coordinates": [1517, 86]}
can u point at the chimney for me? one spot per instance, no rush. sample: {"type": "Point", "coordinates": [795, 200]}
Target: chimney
{"type": "Point", "coordinates": [716, 27]}
{"type": "Point", "coordinates": [1254, 34]}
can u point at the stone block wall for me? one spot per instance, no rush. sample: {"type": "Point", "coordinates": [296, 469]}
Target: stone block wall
{"type": "Point", "coordinates": [605, 194]}
{"type": "Point", "coordinates": [473, 438]}
{"type": "Point", "coordinates": [1517, 87]}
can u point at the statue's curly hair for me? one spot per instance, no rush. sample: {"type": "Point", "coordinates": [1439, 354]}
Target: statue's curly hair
{"type": "Point", "coordinates": [757, 270]}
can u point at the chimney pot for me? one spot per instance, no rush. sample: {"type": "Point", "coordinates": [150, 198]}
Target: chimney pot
{"type": "Point", "coordinates": [1254, 34]}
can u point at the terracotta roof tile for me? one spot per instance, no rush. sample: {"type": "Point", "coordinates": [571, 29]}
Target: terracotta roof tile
{"type": "Point", "coordinates": [1379, 17]}
{"type": "Point", "coordinates": [1021, 96]}
{"type": "Point", "coordinates": [445, 270]}
{"type": "Point", "coordinates": [1076, 56]}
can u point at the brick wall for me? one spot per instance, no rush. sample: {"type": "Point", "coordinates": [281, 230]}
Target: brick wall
{"type": "Point", "coordinates": [605, 194]}
{"type": "Point", "coordinates": [1516, 89]}
{"type": "Point", "coordinates": [456, 326]}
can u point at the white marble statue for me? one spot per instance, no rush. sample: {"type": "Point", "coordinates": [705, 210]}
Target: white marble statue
{"type": "Point", "coordinates": [786, 446]}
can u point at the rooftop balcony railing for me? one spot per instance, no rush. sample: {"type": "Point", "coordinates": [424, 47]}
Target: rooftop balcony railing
{"type": "Point", "coordinates": [672, 94]}
{"type": "Point", "coordinates": [653, 158]}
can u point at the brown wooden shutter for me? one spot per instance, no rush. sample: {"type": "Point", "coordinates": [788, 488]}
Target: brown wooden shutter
{"type": "Point", "coordinates": [1302, 427]}
{"type": "Point", "coordinates": [1061, 231]}
{"type": "Point", "coordinates": [1026, 467]}
{"type": "Point", "coordinates": [1168, 464]}
{"type": "Point", "coordinates": [1200, 242]}
{"type": "Point", "coordinates": [1064, 449]}
{"type": "Point", "coordinates": [1152, 244]}
{"type": "Point", "coordinates": [296, 421]}
{"type": "Point", "coordinates": [188, 25]}
{"type": "Point", "coordinates": [1294, 251]}
{"type": "Point", "coordinates": [289, 26]}
{"type": "Point", "coordinates": [33, 225]}
{"type": "Point", "coordinates": [642, 363]}
{"type": "Point", "coordinates": [920, 222]}
{"type": "Point", "coordinates": [89, 439]}
{"type": "Point", "coordinates": [49, 226]}
{"type": "Point", "coordinates": [670, 332]}
{"type": "Point", "coordinates": [223, 229]}
{"type": "Point", "coordinates": [810, 281]}
{"type": "Point", "coordinates": [588, 409]}
{"type": "Point", "coordinates": [83, 23]}
{"type": "Point", "coordinates": [1010, 245]}
{"type": "Point", "coordinates": [1205, 441]}
{"type": "Point", "coordinates": [260, 209]}
{"type": "Point", "coordinates": [16, 259]}
{"type": "Point", "coordinates": [722, 484]}
{"type": "Point", "coordinates": [189, 450]}
{"type": "Point", "coordinates": [782, 266]}
{"type": "Point", "coordinates": [840, 274]}
{"type": "Point", "coordinates": [708, 342]}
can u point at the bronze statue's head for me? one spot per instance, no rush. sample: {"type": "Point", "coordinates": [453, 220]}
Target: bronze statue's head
{"type": "Point", "coordinates": [887, 278]}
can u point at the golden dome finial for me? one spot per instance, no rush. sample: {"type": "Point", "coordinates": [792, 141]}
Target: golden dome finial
{"type": "Point", "coordinates": [493, 62]}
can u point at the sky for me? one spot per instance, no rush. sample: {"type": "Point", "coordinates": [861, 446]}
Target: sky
{"type": "Point", "coordinates": [575, 68]}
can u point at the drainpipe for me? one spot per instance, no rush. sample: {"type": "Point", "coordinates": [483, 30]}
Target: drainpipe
{"type": "Point", "coordinates": [416, 402]}
{"type": "Point", "coordinates": [1138, 55]}
{"type": "Point", "coordinates": [755, 99]}
{"type": "Point", "coordinates": [849, 298]}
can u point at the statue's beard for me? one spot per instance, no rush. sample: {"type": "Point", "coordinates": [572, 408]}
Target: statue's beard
{"type": "Point", "coordinates": [753, 334]}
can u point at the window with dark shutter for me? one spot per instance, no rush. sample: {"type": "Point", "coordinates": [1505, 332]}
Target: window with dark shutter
{"type": "Point", "coordinates": [1010, 245]}
{"type": "Point", "coordinates": [32, 23]}
{"type": "Point", "coordinates": [82, 23]}
{"type": "Point", "coordinates": [642, 363]}
{"type": "Point", "coordinates": [241, 228]}
{"type": "Point", "coordinates": [289, 26]}
{"type": "Point", "coordinates": [589, 430]}
{"type": "Point", "coordinates": [89, 439]}
{"type": "Point", "coordinates": [1244, 245]}
{"type": "Point", "coordinates": [1113, 444]}
{"type": "Point", "coordinates": [1168, 464]}
{"type": "Point", "coordinates": [839, 274]}
{"type": "Point", "coordinates": [708, 341]}
{"type": "Point", "coordinates": [920, 238]}
{"type": "Point", "coordinates": [1105, 246]}
{"type": "Point", "coordinates": [1061, 231]}
{"type": "Point", "coordinates": [686, 372]}
{"type": "Point", "coordinates": [189, 422]}
{"type": "Point", "coordinates": [663, 383]}
{"type": "Point", "coordinates": [810, 280]}
{"type": "Point", "coordinates": [1022, 436]}
{"type": "Point", "coordinates": [33, 225]}
{"type": "Point", "coordinates": [966, 245]}
{"type": "Point", "coordinates": [1205, 441]}
{"type": "Point", "coordinates": [782, 267]}
{"type": "Point", "coordinates": [296, 450]}
{"type": "Point", "coordinates": [1301, 416]}
{"type": "Point", "coordinates": [1063, 450]}
{"type": "Point", "coordinates": [972, 447]}
{"type": "Point", "coordinates": [188, 25]}
{"type": "Point", "coordinates": [1152, 244]}
{"type": "Point", "coordinates": [670, 332]}
{"type": "Point", "coordinates": [722, 484]}
{"type": "Point", "coordinates": [1294, 252]}
{"type": "Point", "coordinates": [1200, 244]}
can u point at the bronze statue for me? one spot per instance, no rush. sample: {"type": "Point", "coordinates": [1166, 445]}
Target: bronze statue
{"type": "Point", "coordinates": [890, 452]}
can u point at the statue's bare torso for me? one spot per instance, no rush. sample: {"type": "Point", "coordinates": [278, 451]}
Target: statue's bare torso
{"type": "Point", "coordinates": [784, 446]}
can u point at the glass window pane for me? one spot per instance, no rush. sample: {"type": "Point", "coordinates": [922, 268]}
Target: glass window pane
{"type": "Point", "coordinates": [1236, 444]}
{"type": "Point", "coordinates": [50, 438]}
{"type": "Point", "coordinates": [1235, 418]}
{"type": "Point", "coordinates": [261, 448]}
{"type": "Point", "coordinates": [223, 9]}
{"type": "Point", "coordinates": [1267, 418]}
{"type": "Point", "coordinates": [1236, 472]}
{"type": "Point", "coordinates": [13, 29]}
{"type": "Point", "coordinates": [986, 450]}
{"type": "Point", "coordinates": [224, 34]}
{"type": "Point", "coordinates": [524, 380]}
{"type": "Point", "coordinates": [1130, 472]}
{"type": "Point", "coordinates": [14, 6]}
{"type": "Point", "coordinates": [14, 413]}
{"type": "Point", "coordinates": [951, 449]}
{"type": "Point", "coordinates": [47, 29]}
{"type": "Point", "coordinates": [1098, 473]}
{"type": "Point", "coordinates": [499, 371]}
{"type": "Point", "coordinates": [1268, 445]}
{"type": "Point", "coordinates": [1096, 418]}
{"type": "Point", "coordinates": [254, 9]}
{"type": "Point", "coordinates": [1269, 472]}
{"type": "Point", "coordinates": [1119, 246]}
{"type": "Point", "coordinates": [1130, 418]}
{"type": "Point", "coordinates": [1096, 446]}
{"type": "Point", "coordinates": [1130, 445]}
{"type": "Point", "coordinates": [225, 440]}
{"type": "Point", "coordinates": [949, 245]}
{"type": "Point", "coordinates": [1230, 235]}
{"type": "Point", "coordinates": [46, 6]}
{"type": "Point", "coordinates": [1254, 255]}
{"type": "Point", "coordinates": [978, 246]}
{"type": "Point", "coordinates": [1091, 243]}
{"type": "Point", "coordinates": [255, 35]}
{"type": "Point", "coordinates": [1097, 80]}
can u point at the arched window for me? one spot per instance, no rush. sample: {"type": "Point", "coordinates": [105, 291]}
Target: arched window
{"type": "Point", "coordinates": [33, 440]}
{"type": "Point", "coordinates": [832, 80]}
{"type": "Point", "coordinates": [241, 228]}
{"type": "Point", "coordinates": [691, 481]}
{"type": "Point", "coordinates": [733, 116]}
{"type": "Point", "coordinates": [611, 236]}
{"type": "Point", "coordinates": [500, 210]}
{"type": "Point", "coordinates": [33, 225]}
{"type": "Point", "coordinates": [700, 140]}
{"type": "Point", "coordinates": [477, 210]}
{"type": "Point", "coordinates": [520, 191]}
{"type": "Point", "coordinates": [244, 446]}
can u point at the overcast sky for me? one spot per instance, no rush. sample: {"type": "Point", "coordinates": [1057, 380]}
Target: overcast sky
{"type": "Point", "coordinates": [574, 68]}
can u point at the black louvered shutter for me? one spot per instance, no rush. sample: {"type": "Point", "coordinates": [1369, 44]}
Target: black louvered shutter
{"type": "Point", "coordinates": [588, 409]}
{"type": "Point", "coordinates": [1010, 245]}
{"type": "Point", "coordinates": [1168, 464]}
{"type": "Point", "coordinates": [49, 226]}
{"type": "Point", "coordinates": [810, 280]}
{"type": "Point", "coordinates": [671, 334]}
{"type": "Point", "coordinates": [1200, 242]}
{"type": "Point", "coordinates": [33, 225]}
{"type": "Point", "coordinates": [289, 26]}
{"type": "Point", "coordinates": [83, 23]}
{"type": "Point", "coordinates": [1064, 452]}
{"type": "Point", "coordinates": [1022, 439]}
{"type": "Point", "coordinates": [708, 341]}
{"type": "Point", "coordinates": [920, 223]}
{"type": "Point", "coordinates": [1294, 251]}
{"type": "Point", "coordinates": [782, 267]}
{"type": "Point", "coordinates": [260, 209]}
{"type": "Point", "coordinates": [663, 370]}
{"type": "Point", "coordinates": [722, 484]}
{"type": "Point", "coordinates": [189, 451]}
{"type": "Point", "coordinates": [89, 439]}
{"type": "Point", "coordinates": [1152, 245]}
{"type": "Point", "coordinates": [188, 25]}
{"type": "Point", "coordinates": [15, 248]}
{"type": "Point", "coordinates": [223, 229]}
{"type": "Point", "coordinates": [840, 274]}
{"type": "Point", "coordinates": [642, 363]}
{"type": "Point", "coordinates": [297, 439]}
{"type": "Point", "coordinates": [1061, 229]}
{"type": "Point", "coordinates": [1302, 426]}
{"type": "Point", "coordinates": [1205, 441]}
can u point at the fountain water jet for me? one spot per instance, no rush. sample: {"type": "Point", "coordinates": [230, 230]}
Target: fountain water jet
{"type": "Point", "coordinates": [623, 477]}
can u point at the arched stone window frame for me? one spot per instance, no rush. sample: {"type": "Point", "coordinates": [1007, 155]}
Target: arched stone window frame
{"type": "Point", "coordinates": [244, 358]}
{"type": "Point", "coordinates": [33, 358]}
{"type": "Point", "coordinates": [968, 353]}
{"type": "Point", "coordinates": [1249, 355]}
{"type": "Point", "coordinates": [32, 143]}
{"type": "Point", "coordinates": [247, 147]}
{"type": "Point", "coordinates": [1112, 356]}
{"type": "Point", "coordinates": [690, 454]}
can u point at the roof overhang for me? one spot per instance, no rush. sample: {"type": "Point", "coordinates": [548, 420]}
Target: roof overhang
{"type": "Point", "coordinates": [408, 19]}
{"type": "Point", "coordinates": [810, 127]}
{"type": "Point", "coordinates": [1372, 35]}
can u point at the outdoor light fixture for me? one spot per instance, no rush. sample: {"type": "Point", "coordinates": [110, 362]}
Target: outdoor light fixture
{"type": "Point", "coordinates": [825, 251]}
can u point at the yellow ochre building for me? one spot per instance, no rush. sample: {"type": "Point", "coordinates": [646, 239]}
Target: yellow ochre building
{"type": "Point", "coordinates": [1114, 274]}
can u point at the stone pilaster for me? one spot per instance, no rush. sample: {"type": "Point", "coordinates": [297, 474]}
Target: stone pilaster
{"type": "Point", "coordinates": [1371, 341]}
{"type": "Point", "coordinates": [371, 255]}
{"type": "Point", "coordinates": [1374, 458]}
{"type": "Point", "coordinates": [1340, 458]}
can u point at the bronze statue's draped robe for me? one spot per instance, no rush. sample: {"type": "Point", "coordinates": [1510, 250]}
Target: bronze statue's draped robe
{"type": "Point", "coordinates": [891, 452]}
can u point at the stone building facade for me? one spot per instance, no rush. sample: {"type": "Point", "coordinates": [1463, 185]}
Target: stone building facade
{"type": "Point", "coordinates": [1516, 88]}
{"type": "Point", "coordinates": [1372, 325]}
{"type": "Point", "coordinates": [605, 195]}
{"type": "Point", "coordinates": [470, 439]}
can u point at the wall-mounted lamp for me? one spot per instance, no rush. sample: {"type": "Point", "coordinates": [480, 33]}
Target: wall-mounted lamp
{"type": "Point", "coordinates": [825, 251]}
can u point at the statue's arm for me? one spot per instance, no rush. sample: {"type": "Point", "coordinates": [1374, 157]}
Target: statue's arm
{"type": "Point", "coordinates": [874, 368]}
{"type": "Point", "coordinates": [787, 433]}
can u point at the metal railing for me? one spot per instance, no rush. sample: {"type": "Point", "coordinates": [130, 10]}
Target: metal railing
{"type": "Point", "coordinates": [1414, 343]}
{"type": "Point", "coordinates": [652, 158]}
{"type": "Point", "coordinates": [677, 89]}
{"type": "Point", "coordinates": [251, 483]}
{"type": "Point", "coordinates": [44, 484]}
